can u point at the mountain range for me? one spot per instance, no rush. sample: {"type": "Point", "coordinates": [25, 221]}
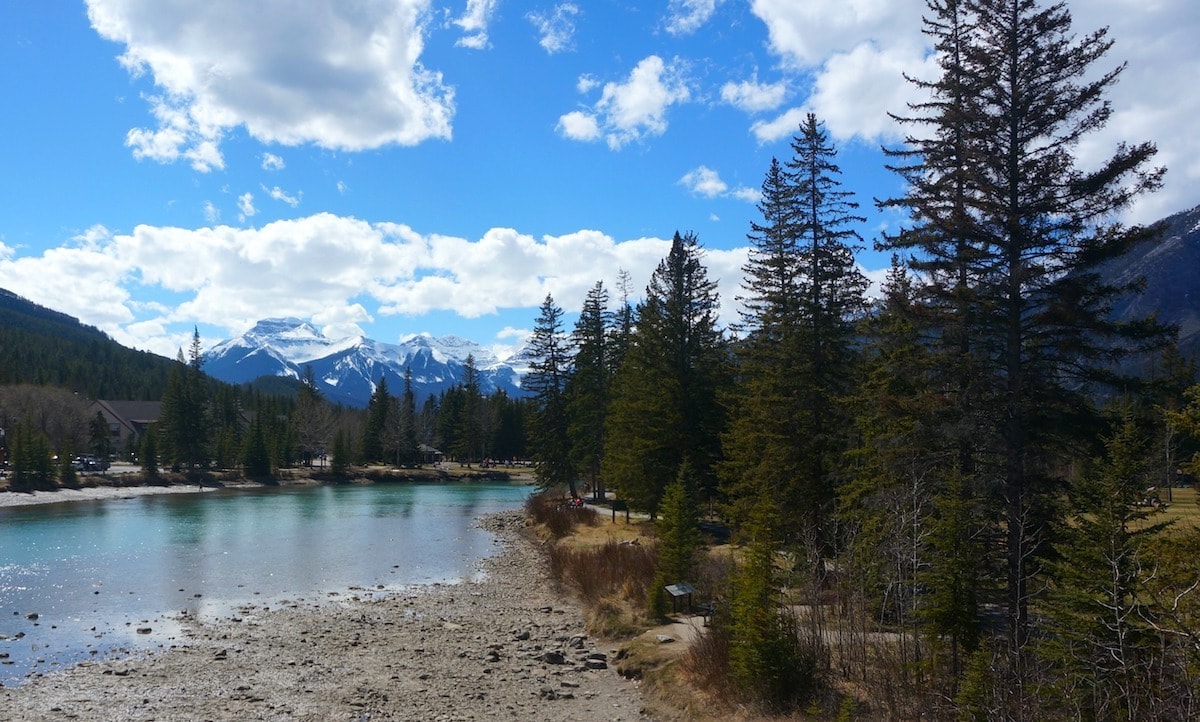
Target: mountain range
{"type": "Point", "coordinates": [42, 346]}
{"type": "Point", "coordinates": [1171, 269]}
{"type": "Point", "coordinates": [346, 370]}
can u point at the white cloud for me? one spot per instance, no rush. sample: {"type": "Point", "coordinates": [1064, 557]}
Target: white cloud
{"type": "Point", "coordinates": [556, 28]}
{"type": "Point", "coordinates": [270, 161]}
{"type": "Point", "coordinates": [474, 23]}
{"type": "Point", "coordinates": [246, 207]}
{"type": "Point", "coordinates": [212, 214]}
{"type": "Point", "coordinates": [337, 75]}
{"type": "Point", "coordinates": [634, 109]}
{"type": "Point", "coordinates": [341, 272]}
{"type": "Point", "coordinates": [855, 91]}
{"type": "Point", "coordinates": [578, 125]}
{"type": "Point", "coordinates": [283, 196]}
{"type": "Point", "coordinates": [750, 195]}
{"type": "Point", "coordinates": [753, 96]}
{"type": "Point", "coordinates": [704, 181]}
{"type": "Point", "coordinates": [854, 51]}
{"type": "Point", "coordinates": [586, 83]}
{"type": "Point", "coordinates": [685, 17]}
{"type": "Point", "coordinates": [805, 34]}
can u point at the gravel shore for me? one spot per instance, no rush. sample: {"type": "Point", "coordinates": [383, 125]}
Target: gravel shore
{"type": "Point", "coordinates": [506, 647]}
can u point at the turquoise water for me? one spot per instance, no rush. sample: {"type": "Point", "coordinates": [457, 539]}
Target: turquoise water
{"type": "Point", "coordinates": [79, 580]}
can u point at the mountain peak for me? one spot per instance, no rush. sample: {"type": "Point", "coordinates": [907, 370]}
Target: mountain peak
{"type": "Point", "coordinates": [348, 369]}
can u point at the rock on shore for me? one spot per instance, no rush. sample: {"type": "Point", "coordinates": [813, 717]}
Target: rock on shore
{"type": "Point", "coordinates": [506, 647]}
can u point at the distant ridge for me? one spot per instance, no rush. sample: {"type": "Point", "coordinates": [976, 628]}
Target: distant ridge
{"type": "Point", "coordinates": [45, 347]}
{"type": "Point", "coordinates": [347, 369]}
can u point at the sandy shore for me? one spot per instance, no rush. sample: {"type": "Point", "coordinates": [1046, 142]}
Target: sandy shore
{"type": "Point", "coordinates": [93, 493]}
{"type": "Point", "coordinates": [507, 647]}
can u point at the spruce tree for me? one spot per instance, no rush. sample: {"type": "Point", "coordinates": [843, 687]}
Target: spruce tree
{"type": "Point", "coordinates": [665, 405]}
{"type": "Point", "coordinates": [589, 386]}
{"type": "Point", "coordinates": [378, 407]}
{"type": "Point", "coordinates": [547, 379]}
{"type": "Point", "coordinates": [803, 297]}
{"type": "Point", "coordinates": [1102, 635]}
{"type": "Point", "coordinates": [470, 431]}
{"type": "Point", "coordinates": [1023, 229]}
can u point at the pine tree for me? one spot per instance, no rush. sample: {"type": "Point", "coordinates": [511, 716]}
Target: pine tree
{"type": "Point", "coordinates": [378, 407]}
{"type": "Point", "coordinates": [99, 440]}
{"type": "Point", "coordinates": [148, 452]}
{"type": "Point", "coordinates": [589, 386]}
{"type": "Point", "coordinates": [256, 457]}
{"type": "Point", "coordinates": [549, 371]}
{"type": "Point", "coordinates": [804, 295]}
{"type": "Point", "coordinates": [470, 431]}
{"type": "Point", "coordinates": [408, 452]}
{"type": "Point", "coordinates": [664, 405]}
{"type": "Point", "coordinates": [1023, 229]}
{"type": "Point", "coordinates": [185, 417]}
{"type": "Point", "coordinates": [1102, 637]}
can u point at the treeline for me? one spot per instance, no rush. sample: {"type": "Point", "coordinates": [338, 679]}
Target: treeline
{"type": "Point", "coordinates": [946, 497]}
{"type": "Point", "coordinates": [207, 425]}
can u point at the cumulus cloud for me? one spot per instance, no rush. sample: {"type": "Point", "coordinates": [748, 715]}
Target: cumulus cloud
{"type": "Point", "coordinates": [270, 161]}
{"type": "Point", "coordinates": [805, 34]}
{"type": "Point", "coordinates": [212, 214]}
{"type": "Point", "coordinates": [474, 23]}
{"type": "Point", "coordinates": [855, 51]}
{"type": "Point", "coordinates": [341, 272]}
{"type": "Point", "coordinates": [685, 17]}
{"type": "Point", "coordinates": [578, 125]}
{"type": "Point", "coordinates": [340, 76]}
{"type": "Point", "coordinates": [632, 110]}
{"type": "Point", "coordinates": [706, 182]}
{"type": "Point", "coordinates": [556, 29]}
{"type": "Point", "coordinates": [753, 96]}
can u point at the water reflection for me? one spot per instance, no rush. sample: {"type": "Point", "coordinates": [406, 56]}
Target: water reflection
{"type": "Point", "coordinates": [80, 580]}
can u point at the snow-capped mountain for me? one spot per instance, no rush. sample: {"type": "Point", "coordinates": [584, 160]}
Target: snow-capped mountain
{"type": "Point", "coordinates": [348, 369]}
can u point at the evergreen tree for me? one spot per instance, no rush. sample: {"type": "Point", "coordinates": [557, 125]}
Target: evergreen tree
{"type": "Point", "coordinates": [408, 451]}
{"type": "Point", "coordinates": [664, 405]}
{"type": "Point", "coordinates": [803, 298]}
{"type": "Point", "coordinates": [1025, 232]}
{"type": "Point", "coordinates": [589, 386]}
{"type": "Point", "coordinates": [340, 464]}
{"type": "Point", "coordinates": [185, 416]}
{"type": "Point", "coordinates": [549, 370]}
{"type": "Point", "coordinates": [378, 407]}
{"type": "Point", "coordinates": [678, 528]}
{"type": "Point", "coordinates": [1103, 639]}
{"type": "Point", "coordinates": [99, 440]}
{"type": "Point", "coordinates": [148, 453]}
{"type": "Point", "coordinates": [470, 431]}
{"type": "Point", "coordinates": [256, 457]}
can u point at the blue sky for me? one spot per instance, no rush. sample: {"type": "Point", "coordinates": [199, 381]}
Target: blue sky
{"type": "Point", "coordinates": [390, 167]}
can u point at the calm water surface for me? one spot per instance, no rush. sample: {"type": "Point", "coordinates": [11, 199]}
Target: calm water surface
{"type": "Point", "coordinates": [78, 580]}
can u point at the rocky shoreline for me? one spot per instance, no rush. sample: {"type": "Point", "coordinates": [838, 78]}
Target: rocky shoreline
{"type": "Point", "coordinates": [506, 647]}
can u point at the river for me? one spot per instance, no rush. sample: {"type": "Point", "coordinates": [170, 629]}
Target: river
{"type": "Point", "coordinates": [91, 579]}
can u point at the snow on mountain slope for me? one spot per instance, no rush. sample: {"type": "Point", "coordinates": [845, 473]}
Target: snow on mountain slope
{"type": "Point", "coordinates": [347, 370]}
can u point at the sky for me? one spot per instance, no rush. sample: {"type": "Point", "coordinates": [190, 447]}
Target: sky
{"type": "Point", "coordinates": [390, 167]}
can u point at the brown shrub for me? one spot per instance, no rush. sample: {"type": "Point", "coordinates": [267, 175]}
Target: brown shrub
{"type": "Point", "coordinates": [553, 512]}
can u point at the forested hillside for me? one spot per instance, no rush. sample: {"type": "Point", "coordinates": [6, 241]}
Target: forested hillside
{"type": "Point", "coordinates": [46, 348]}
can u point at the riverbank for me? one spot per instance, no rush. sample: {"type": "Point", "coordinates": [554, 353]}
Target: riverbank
{"type": "Point", "coordinates": [125, 481]}
{"type": "Point", "coordinates": [506, 647]}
